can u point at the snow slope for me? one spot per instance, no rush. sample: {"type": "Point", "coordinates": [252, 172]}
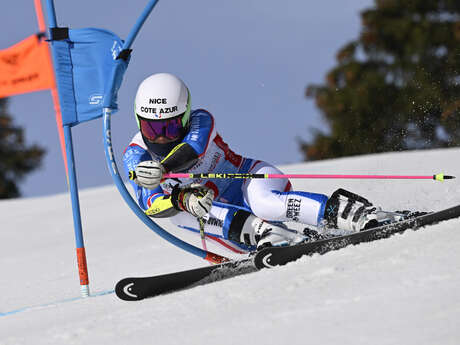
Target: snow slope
{"type": "Point", "coordinates": [402, 290]}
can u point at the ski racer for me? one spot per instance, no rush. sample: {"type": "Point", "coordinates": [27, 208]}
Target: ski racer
{"type": "Point", "coordinates": [241, 214]}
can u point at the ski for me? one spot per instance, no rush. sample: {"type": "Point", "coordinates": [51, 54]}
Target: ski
{"type": "Point", "coordinates": [276, 256]}
{"type": "Point", "coordinates": [138, 288]}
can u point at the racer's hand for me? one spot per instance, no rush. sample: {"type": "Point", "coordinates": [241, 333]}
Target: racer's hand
{"type": "Point", "coordinates": [148, 174]}
{"type": "Point", "coordinates": [193, 198]}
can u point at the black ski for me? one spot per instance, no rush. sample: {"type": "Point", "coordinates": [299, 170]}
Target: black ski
{"type": "Point", "coordinates": [275, 256]}
{"type": "Point", "coordinates": [134, 289]}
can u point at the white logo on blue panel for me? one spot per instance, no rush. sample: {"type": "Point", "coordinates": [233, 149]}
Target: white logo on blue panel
{"type": "Point", "coordinates": [95, 99]}
{"type": "Point", "coordinates": [116, 49]}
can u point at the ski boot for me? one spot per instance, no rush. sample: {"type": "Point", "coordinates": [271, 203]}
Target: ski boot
{"type": "Point", "coordinates": [353, 213]}
{"type": "Point", "coordinates": [258, 232]}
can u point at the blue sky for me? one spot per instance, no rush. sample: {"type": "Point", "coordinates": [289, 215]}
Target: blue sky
{"type": "Point", "coordinates": [246, 61]}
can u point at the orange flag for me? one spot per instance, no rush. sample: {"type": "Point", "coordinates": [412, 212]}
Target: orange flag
{"type": "Point", "coordinates": [25, 67]}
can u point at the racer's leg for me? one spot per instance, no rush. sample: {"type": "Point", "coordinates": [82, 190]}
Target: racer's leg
{"type": "Point", "coordinates": [216, 227]}
{"type": "Point", "coordinates": [273, 200]}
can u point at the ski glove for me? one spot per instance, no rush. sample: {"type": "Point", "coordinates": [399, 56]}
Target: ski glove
{"type": "Point", "coordinates": [193, 198]}
{"type": "Point", "coordinates": [148, 174]}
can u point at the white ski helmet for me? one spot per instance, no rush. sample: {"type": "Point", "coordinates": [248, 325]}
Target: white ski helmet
{"type": "Point", "coordinates": [162, 106]}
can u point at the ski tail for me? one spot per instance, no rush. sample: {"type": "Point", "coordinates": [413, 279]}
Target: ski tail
{"type": "Point", "coordinates": [138, 288]}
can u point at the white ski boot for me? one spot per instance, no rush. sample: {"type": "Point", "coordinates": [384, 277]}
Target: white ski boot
{"type": "Point", "coordinates": [353, 213]}
{"type": "Point", "coordinates": [256, 231]}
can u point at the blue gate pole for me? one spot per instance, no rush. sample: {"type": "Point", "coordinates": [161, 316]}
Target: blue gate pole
{"type": "Point", "coordinates": [81, 255]}
{"type": "Point", "coordinates": [112, 165]}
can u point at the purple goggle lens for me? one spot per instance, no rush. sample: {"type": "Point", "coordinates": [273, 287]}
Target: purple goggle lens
{"type": "Point", "coordinates": [169, 128]}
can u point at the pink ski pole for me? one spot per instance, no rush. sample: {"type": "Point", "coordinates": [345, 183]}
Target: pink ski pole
{"type": "Point", "coordinates": [436, 177]}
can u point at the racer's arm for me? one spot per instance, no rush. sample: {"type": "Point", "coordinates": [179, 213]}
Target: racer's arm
{"type": "Point", "coordinates": [194, 199]}
{"type": "Point", "coordinates": [161, 206]}
{"type": "Point", "coordinates": [156, 201]}
{"type": "Point", "coordinates": [193, 146]}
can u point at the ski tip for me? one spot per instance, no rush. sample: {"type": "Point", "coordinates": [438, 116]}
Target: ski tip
{"type": "Point", "coordinates": [442, 177]}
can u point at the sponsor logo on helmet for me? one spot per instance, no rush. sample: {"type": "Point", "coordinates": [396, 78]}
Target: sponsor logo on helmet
{"type": "Point", "coordinates": [158, 101]}
{"type": "Point", "coordinates": [159, 111]}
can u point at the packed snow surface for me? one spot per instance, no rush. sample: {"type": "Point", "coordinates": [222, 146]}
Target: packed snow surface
{"type": "Point", "coordinates": [401, 290]}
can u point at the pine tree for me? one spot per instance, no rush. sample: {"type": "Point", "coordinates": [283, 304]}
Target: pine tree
{"type": "Point", "coordinates": [395, 88]}
{"type": "Point", "coordinates": [16, 159]}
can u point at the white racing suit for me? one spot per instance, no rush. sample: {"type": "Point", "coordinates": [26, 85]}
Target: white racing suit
{"type": "Point", "coordinates": [202, 150]}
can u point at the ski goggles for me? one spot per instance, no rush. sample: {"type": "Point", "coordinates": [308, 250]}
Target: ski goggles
{"type": "Point", "coordinates": [171, 128]}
